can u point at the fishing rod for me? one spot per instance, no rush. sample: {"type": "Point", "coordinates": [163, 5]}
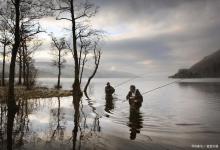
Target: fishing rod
{"type": "Point", "coordinates": [124, 82]}
{"type": "Point", "coordinates": [159, 87]}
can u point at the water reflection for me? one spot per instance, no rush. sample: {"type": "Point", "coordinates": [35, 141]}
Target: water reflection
{"type": "Point", "coordinates": [135, 120]}
{"type": "Point", "coordinates": [70, 132]}
{"type": "Point", "coordinates": [96, 124]}
{"type": "Point", "coordinates": [82, 132]}
{"type": "Point", "coordinates": [76, 101]}
{"type": "Point", "coordinates": [52, 123]}
{"type": "Point", "coordinates": [2, 124]}
{"type": "Point", "coordinates": [15, 123]}
{"type": "Point", "coordinates": [12, 109]}
{"type": "Point", "coordinates": [74, 123]}
{"type": "Point", "coordinates": [21, 122]}
{"type": "Point", "coordinates": [203, 87]}
{"type": "Point", "coordinates": [57, 117]}
{"type": "Point", "coordinates": [109, 104]}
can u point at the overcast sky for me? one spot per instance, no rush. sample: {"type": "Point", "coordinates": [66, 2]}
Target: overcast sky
{"type": "Point", "coordinates": [151, 36]}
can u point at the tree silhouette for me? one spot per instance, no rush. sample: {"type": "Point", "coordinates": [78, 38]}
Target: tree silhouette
{"type": "Point", "coordinates": [5, 40]}
{"type": "Point", "coordinates": [79, 12]}
{"type": "Point", "coordinates": [58, 51]}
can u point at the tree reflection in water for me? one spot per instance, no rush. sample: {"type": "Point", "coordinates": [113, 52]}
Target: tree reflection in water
{"type": "Point", "coordinates": [21, 122]}
{"type": "Point", "coordinates": [76, 104]}
{"type": "Point", "coordinates": [3, 112]}
{"type": "Point", "coordinates": [18, 125]}
{"type": "Point", "coordinates": [27, 134]}
{"type": "Point", "coordinates": [85, 130]}
{"type": "Point", "coordinates": [57, 120]}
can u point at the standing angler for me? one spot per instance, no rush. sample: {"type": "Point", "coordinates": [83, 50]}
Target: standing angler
{"type": "Point", "coordinates": [109, 90]}
{"type": "Point", "coordinates": [134, 96]}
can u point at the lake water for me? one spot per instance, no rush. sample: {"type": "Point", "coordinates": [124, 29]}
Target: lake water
{"type": "Point", "coordinates": [179, 116]}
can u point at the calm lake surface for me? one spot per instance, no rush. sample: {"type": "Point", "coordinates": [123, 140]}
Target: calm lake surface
{"type": "Point", "coordinates": [174, 117]}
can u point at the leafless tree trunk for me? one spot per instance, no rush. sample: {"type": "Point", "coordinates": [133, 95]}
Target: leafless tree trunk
{"type": "Point", "coordinates": [27, 75]}
{"type": "Point", "coordinates": [97, 57]}
{"type": "Point", "coordinates": [83, 65]}
{"type": "Point", "coordinates": [59, 74]}
{"type": "Point", "coordinates": [30, 70]}
{"type": "Point", "coordinates": [3, 66]}
{"type": "Point", "coordinates": [14, 13]}
{"type": "Point", "coordinates": [20, 67]}
{"type": "Point", "coordinates": [12, 107]}
{"type": "Point", "coordinates": [24, 60]}
{"type": "Point", "coordinates": [58, 51]}
{"type": "Point", "coordinates": [5, 40]}
{"type": "Point", "coordinates": [76, 84]}
{"type": "Point", "coordinates": [79, 10]}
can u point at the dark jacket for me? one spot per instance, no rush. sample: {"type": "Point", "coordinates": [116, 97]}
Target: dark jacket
{"type": "Point", "coordinates": [138, 95]}
{"type": "Point", "coordinates": [109, 90]}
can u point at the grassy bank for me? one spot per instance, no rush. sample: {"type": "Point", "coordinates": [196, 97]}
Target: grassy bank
{"type": "Point", "coordinates": [35, 93]}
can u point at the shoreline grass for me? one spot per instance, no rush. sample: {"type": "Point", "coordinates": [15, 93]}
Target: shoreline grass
{"type": "Point", "coordinates": [35, 93]}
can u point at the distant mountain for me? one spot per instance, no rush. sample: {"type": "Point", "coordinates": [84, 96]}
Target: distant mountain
{"type": "Point", "coordinates": [208, 67]}
{"type": "Point", "coordinates": [46, 70]}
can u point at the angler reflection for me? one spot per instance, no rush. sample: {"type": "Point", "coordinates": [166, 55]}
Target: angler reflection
{"type": "Point", "coordinates": [109, 103]}
{"type": "Point", "coordinates": [135, 121]}
{"type": "Point", "coordinates": [135, 118]}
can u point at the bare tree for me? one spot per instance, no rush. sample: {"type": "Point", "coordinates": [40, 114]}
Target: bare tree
{"type": "Point", "coordinates": [5, 40]}
{"type": "Point", "coordinates": [58, 51]}
{"type": "Point", "coordinates": [20, 65]}
{"type": "Point", "coordinates": [12, 14]}
{"type": "Point", "coordinates": [97, 57]}
{"type": "Point", "coordinates": [15, 18]}
{"type": "Point", "coordinates": [84, 60]}
{"type": "Point", "coordinates": [89, 44]}
{"type": "Point", "coordinates": [79, 11]}
{"type": "Point", "coordinates": [30, 71]}
{"type": "Point", "coordinates": [29, 30]}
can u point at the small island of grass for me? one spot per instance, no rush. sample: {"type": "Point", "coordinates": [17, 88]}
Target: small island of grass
{"type": "Point", "coordinates": [35, 93]}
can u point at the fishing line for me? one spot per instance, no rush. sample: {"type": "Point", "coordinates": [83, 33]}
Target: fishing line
{"type": "Point", "coordinates": [124, 82]}
{"type": "Point", "coordinates": [139, 76]}
{"type": "Point", "coordinates": [159, 87]}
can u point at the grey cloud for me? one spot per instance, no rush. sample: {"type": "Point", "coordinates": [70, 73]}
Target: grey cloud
{"type": "Point", "coordinates": [154, 10]}
{"type": "Point", "coordinates": [198, 36]}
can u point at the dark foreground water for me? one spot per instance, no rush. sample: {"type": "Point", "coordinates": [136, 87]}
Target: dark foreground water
{"type": "Point", "coordinates": [184, 115]}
